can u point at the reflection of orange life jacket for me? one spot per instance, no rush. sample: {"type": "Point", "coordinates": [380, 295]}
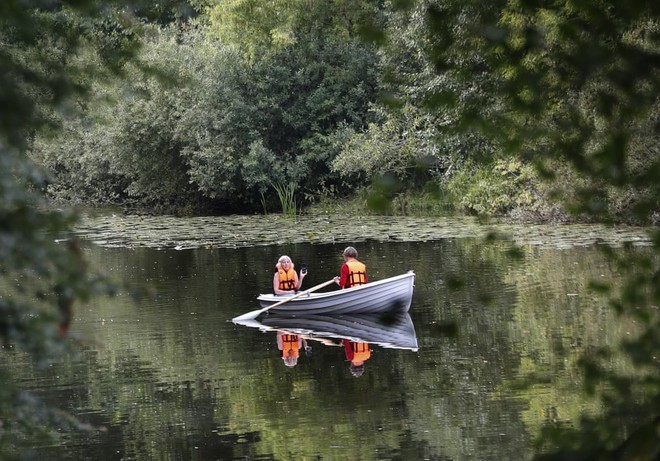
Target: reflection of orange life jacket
{"type": "Point", "coordinates": [361, 352]}
{"type": "Point", "coordinates": [290, 346]}
{"type": "Point", "coordinates": [357, 274]}
{"type": "Point", "coordinates": [287, 279]}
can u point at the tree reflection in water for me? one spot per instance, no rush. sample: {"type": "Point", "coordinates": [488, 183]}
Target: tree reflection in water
{"type": "Point", "coordinates": [497, 346]}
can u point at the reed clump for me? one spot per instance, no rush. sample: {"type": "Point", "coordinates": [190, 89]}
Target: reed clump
{"type": "Point", "coordinates": [287, 195]}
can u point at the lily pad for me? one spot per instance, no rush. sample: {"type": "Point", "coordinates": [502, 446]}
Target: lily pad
{"type": "Point", "coordinates": [254, 230]}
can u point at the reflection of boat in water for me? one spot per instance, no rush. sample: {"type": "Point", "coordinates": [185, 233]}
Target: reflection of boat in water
{"type": "Point", "coordinates": [386, 330]}
{"type": "Point", "coordinates": [393, 294]}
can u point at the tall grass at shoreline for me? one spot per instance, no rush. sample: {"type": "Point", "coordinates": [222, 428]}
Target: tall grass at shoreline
{"type": "Point", "coordinates": [286, 194]}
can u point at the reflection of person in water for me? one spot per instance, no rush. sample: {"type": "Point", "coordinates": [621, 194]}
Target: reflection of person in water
{"type": "Point", "coordinates": [290, 345]}
{"type": "Point", "coordinates": [357, 353]}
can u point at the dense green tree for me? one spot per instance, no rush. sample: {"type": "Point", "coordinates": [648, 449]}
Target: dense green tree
{"type": "Point", "coordinates": [224, 130]}
{"type": "Point", "coordinates": [568, 83]}
{"type": "Point", "coordinates": [293, 102]}
{"type": "Point", "coordinates": [399, 143]}
{"type": "Point", "coordinates": [253, 24]}
{"type": "Point", "coordinates": [421, 147]}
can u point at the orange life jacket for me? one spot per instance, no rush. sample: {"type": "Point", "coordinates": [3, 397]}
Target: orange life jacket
{"type": "Point", "coordinates": [357, 274]}
{"type": "Point", "coordinates": [361, 352]}
{"type": "Point", "coordinates": [290, 346]}
{"type": "Point", "coordinates": [287, 279]}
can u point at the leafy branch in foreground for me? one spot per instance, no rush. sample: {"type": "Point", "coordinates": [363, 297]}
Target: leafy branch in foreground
{"type": "Point", "coordinates": [555, 84]}
{"type": "Point", "coordinates": [50, 52]}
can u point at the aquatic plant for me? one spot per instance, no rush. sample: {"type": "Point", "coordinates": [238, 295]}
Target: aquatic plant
{"type": "Point", "coordinates": [287, 195]}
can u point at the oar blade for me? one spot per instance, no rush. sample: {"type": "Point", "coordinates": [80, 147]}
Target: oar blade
{"type": "Point", "coordinates": [248, 316]}
{"type": "Point", "coordinates": [253, 323]}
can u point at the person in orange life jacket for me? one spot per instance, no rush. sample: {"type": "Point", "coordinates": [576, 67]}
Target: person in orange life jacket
{"type": "Point", "coordinates": [357, 353]}
{"type": "Point", "coordinates": [290, 345]}
{"type": "Point", "coordinates": [286, 280]}
{"type": "Point", "coordinates": [353, 272]}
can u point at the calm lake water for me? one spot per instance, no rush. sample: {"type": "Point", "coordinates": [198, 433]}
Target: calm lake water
{"type": "Point", "coordinates": [172, 378]}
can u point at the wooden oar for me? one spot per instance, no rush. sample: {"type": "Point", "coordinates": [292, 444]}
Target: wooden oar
{"type": "Point", "coordinates": [257, 313]}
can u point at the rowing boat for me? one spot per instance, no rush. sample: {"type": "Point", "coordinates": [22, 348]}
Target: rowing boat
{"type": "Point", "coordinates": [393, 294]}
{"type": "Point", "coordinates": [395, 331]}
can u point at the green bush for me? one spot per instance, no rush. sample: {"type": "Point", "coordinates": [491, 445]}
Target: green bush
{"type": "Point", "coordinates": [494, 189]}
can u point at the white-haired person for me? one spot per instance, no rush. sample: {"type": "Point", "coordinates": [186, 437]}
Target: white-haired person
{"type": "Point", "coordinates": [286, 280]}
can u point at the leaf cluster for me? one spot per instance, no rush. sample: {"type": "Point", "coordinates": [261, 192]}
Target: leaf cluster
{"type": "Point", "coordinates": [570, 87]}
